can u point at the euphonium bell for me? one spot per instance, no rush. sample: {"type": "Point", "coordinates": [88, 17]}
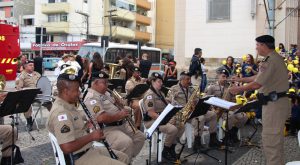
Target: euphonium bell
{"type": "Point", "coordinates": [2, 82]}
{"type": "Point", "coordinates": [112, 69]}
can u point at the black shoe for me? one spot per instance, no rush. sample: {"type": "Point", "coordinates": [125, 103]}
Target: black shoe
{"type": "Point", "coordinates": [6, 161]}
{"type": "Point", "coordinates": [213, 141]}
{"type": "Point", "coordinates": [29, 123]}
{"type": "Point", "coordinates": [234, 135]}
{"type": "Point", "coordinates": [166, 153]}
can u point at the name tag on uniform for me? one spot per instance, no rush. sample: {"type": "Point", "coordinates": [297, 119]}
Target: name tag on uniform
{"type": "Point", "coordinates": [62, 117]}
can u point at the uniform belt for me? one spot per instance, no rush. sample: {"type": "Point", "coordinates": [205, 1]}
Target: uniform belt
{"type": "Point", "coordinates": [273, 96]}
{"type": "Point", "coordinates": [76, 156]}
{"type": "Point", "coordinates": [117, 123]}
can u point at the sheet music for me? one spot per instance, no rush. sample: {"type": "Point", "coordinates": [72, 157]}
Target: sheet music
{"type": "Point", "coordinates": [158, 120]}
{"type": "Point", "coordinates": [220, 103]}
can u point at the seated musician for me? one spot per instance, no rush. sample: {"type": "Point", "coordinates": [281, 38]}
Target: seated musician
{"type": "Point", "coordinates": [68, 126]}
{"type": "Point", "coordinates": [180, 94]}
{"type": "Point", "coordinates": [28, 79]}
{"type": "Point", "coordinates": [220, 90]}
{"type": "Point", "coordinates": [155, 102]}
{"type": "Point", "coordinates": [6, 137]}
{"type": "Point", "coordinates": [134, 102]}
{"type": "Point", "coordinates": [116, 129]}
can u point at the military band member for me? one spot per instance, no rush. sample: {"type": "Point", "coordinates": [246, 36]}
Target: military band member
{"type": "Point", "coordinates": [155, 102]}
{"type": "Point", "coordinates": [134, 103]}
{"type": "Point", "coordinates": [6, 137]}
{"type": "Point", "coordinates": [220, 89]}
{"type": "Point", "coordinates": [272, 91]}
{"type": "Point", "coordinates": [117, 130]}
{"type": "Point", "coordinates": [68, 126]}
{"type": "Point", "coordinates": [28, 79]}
{"type": "Point", "coordinates": [180, 93]}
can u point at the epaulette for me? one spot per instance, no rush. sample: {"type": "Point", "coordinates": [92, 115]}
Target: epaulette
{"type": "Point", "coordinates": [265, 59]}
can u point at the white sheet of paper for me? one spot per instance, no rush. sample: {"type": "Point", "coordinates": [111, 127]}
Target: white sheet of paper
{"type": "Point", "coordinates": [220, 103]}
{"type": "Point", "coordinates": [153, 127]}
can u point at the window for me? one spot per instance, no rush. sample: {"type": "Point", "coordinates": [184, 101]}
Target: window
{"type": "Point", "coordinates": [218, 10]}
{"type": "Point", "coordinates": [113, 2]}
{"type": "Point", "coordinates": [85, 1]}
{"type": "Point", "coordinates": [63, 0]}
{"type": "Point", "coordinates": [63, 17]}
{"type": "Point", "coordinates": [51, 1]}
{"type": "Point", "coordinates": [52, 18]}
{"type": "Point", "coordinates": [28, 22]}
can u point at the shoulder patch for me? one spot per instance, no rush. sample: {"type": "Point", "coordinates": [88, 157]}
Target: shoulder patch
{"type": "Point", "coordinates": [65, 129]}
{"type": "Point", "coordinates": [96, 109]}
{"type": "Point", "coordinates": [149, 97]}
{"type": "Point", "coordinates": [62, 117]}
{"type": "Point", "coordinates": [92, 102]}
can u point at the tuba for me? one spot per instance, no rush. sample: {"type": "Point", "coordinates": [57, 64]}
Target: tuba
{"type": "Point", "coordinates": [112, 69]}
{"type": "Point", "coordinates": [2, 82]}
{"type": "Point", "coordinates": [183, 115]}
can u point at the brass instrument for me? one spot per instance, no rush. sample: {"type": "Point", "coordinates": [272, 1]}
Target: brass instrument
{"type": "Point", "coordinates": [183, 115]}
{"type": "Point", "coordinates": [120, 105]}
{"type": "Point", "coordinates": [2, 82]}
{"type": "Point", "coordinates": [112, 69]}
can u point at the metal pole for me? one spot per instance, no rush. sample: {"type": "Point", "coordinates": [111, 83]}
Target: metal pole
{"type": "Point", "coordinates": [41, 42]}
{"type": "Point", "coordinates": [271, 13]}
{"type": "Point", "coordinates": [87, 30]}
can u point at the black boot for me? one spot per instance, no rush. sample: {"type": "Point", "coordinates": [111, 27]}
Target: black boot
{"type": "Point", "coordinates": [29, 123]}
{"type": "Point", "coordinates": [234, 135]}
{"type": "Point", "coordinates": [172, 150]}
{"type": "Point", "coordinates": [213, 141]}
{"type": "Point", "coordinates": [166, 153]}
{"type": "Point", "coordinates": [6, 160]}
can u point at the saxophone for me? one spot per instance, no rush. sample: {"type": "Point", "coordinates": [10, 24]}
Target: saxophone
{"type": "Point", "coordinates": [185, 113]}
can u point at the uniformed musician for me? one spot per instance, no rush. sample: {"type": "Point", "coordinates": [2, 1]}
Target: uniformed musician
{"type": "Point", "coordinates": [134, 102]}
{"type": "Point", "coordinates": [220, 89]}
{"type": "Point", "coordinates": [272, 94]}
{"type": "Point", "coordinates": [117, 130]}
{"type": "Point", "coordinates": [28, 79]}
{"type": "Point", "coordinates": [6, 137]}
{"type": "Point", "coordinates": [69, 127]}
{"type": "Point", "coordinates": [180, 94]}
{"type": "Point", "coordinates": [155, 102]}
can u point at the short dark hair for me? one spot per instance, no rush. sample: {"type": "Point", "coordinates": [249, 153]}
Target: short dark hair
{"type": "Point", "coordinates": [270, 45]}
{"type": "Point", "coordinates": [197, 50]}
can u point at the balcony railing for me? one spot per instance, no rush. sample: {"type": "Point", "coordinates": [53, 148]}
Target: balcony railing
{"type": "Point", "coordinates": [52, 8]}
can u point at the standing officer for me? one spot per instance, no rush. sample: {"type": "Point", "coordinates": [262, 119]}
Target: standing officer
{"type": "Point", "coordinates": [6, 137]}
{"type": "Point", "coordinates": [195, 67]}
{"type": "Point", "coordinates": [134, 102]}
{"type": "Point", "coordinates": [68, 126]}
{"type": "Point", "coordinates": [235, 121]}
{"type": "Point", "coordinates": [28, 79]}
{"type": "Point", "coordinates": [180, 94]}
{"type": "Point", "coordinates": [272, 94]}
{"type": "Point", "coordinates": [155, 103]}
{"type": "Point", "coordinates": [117, 131]}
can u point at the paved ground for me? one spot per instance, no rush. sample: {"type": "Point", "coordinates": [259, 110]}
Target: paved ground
{"type": "Point", "coordinates": [39, 151]}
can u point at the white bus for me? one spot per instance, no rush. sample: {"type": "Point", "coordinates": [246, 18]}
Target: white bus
{"type": "Point", "coordinates": [116, 49]}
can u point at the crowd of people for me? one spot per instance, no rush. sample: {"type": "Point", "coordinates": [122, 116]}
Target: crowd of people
{"type": "Point", "coordinates": [122, 120]}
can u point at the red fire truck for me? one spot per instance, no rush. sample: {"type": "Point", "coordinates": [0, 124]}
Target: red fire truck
{"type": "Point", "coordinates": [9, 50]}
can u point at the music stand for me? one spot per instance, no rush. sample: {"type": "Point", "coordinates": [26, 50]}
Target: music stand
{"type": "Point", "coordinates": [137, 91]}
{"type": "Point", "coordinates": [162, 119]}
{"type": "Point", "coordinates": [247, 108]}
{"type": "Point", "coordinates": [201, 109]}
{"type": "Point", "coordinates": [17, 102]}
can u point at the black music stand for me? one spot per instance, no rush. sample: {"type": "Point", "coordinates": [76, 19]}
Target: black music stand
{"type": "Point", "coordinates": [17, 102]}
{"type": "Point", "coordinates": [137, 91]}
{"type": "Point", "coordinates": [247, 108]}
{"type": "Point", "coordinates": [201, 109]}
{"type": "Point", "coordinates": [163, 119]}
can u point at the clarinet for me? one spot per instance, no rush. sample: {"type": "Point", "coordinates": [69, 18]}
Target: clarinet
{"type": "Point", "coordinates": [97, 126]}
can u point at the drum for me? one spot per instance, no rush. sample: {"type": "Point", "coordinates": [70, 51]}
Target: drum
{"type": "Point", "coordinates": [46, 89]}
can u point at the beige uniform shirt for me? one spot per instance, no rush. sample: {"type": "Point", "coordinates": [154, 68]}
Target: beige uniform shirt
{"type": "Point", "coordinates": [67, 123]}
{"type": "Point", "coordinates": [152, 101]}
{"type": "Point", "coordinates": [26, 80]}
{"type": "Point", "coordinates": [131, 83]}
{"type": "Point", "coordinates": [179, 95]}
{"type": "Point", "coordinates": [271, 65]}
{"type": "Point", "coordinates": [98, 103]}
{"type": "Point", "coordinates": [219, 91]}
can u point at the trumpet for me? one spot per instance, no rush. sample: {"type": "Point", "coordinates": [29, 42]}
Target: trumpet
{"type": "Point", "coordinates": [120, 106]}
